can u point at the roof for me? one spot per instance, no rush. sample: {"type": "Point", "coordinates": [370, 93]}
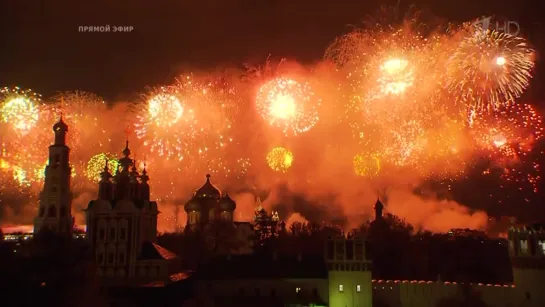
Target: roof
{"type": "Point", "coordinates": [152, 251]}
{"type": "Point", "coordinates": [208, 190]}
{"type": "Point", "coordinates": [266, 266]}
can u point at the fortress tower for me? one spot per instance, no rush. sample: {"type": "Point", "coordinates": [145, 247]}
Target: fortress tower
{"type": "Point", "coordinates": [54, 212]}
{"type": "Point", "coordinates": [527, 252]}
{"type": "Point", "coordinates": [349, 272]}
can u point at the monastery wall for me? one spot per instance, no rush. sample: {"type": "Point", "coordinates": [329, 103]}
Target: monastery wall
{"type": "Point", "coordinates": [432, 294]}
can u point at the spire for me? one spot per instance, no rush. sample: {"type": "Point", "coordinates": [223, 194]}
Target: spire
{"type": "Point", "coordinates": [60, 129]}
{"type": "Point", "coordinates": [259, 204]}
{"type": "Point", "coordinates": [105, 175]}
{"type": "Point", "coordinates": [144, 178]}
{"type": "Point", "coordinates": [134, 171]}
{"type": "Point", "coordinates": [125, 162]}
{"type": "Point", "coordinates": [379, 207]}
{"type": "Point", "coordinates": [126, 151]}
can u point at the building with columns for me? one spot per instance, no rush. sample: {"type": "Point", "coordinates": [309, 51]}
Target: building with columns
{"type": "Point", "coordinates": [122, 227]}
{"type": "Point", "coordinates": [55, 207]}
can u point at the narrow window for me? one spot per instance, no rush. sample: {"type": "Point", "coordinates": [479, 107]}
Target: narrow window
{"type": "Point", "coordinates": [52, 211]}
{"type": "Point", "coordinates": [524, 246]}
{"type": "Point", "coordinates": [358, 288]}
{"type": "Point", "coordinates": [122, 233]}
{"type": "Point", "coordinates": [297, 290]}
{"type": "Point", "coordinates": [341, 288]}
{"type": "Point", "coordinates": [111, 258]}
{"type": "Point", "coordinates": [121, 258]}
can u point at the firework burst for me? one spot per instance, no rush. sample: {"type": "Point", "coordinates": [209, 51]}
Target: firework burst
{"type": "Point", "coordinates": [289, 105]}
{"type": "Point", "coordinates": [188, 127]}
{"type": "Point", "coordinates": [489, 69]}
{"type": "Point", "coordinates": [20, 108]}
{"type": "Point", "coordinates": [366, 165]}
{"type": "Point", "coordinates": [280, 159]}
{"type": "Point", "coordinates": [95, 165]}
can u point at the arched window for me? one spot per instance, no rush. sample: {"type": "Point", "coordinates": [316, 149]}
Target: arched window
{"type": "Point", "coordinates": [63, 212]}
{"type": "Point", "coordinates": [52, 211]}
{"type": "Point", "coordinates": [101, 229]}
{"type": "Point", "coordinates": [112, 229]}
{"type": "Point", "coordinates": [123, 229]}
{"type": "Point", "coordinates": [100, 255]}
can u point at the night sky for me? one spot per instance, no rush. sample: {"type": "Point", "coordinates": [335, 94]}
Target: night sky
{"type": "Point", "coordinates": [42, 49]}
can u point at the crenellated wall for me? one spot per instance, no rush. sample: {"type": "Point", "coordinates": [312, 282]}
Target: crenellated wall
{"type": "Point", "coordinates": [431, 294]}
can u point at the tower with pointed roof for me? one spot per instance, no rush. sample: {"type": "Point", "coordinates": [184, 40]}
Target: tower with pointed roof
{"type": "Point", "coordinates": [55, 207]}
{"type": "Point", "coordinates": [208, 205]}
{"type": "Point", "coordinates": [122, 226]}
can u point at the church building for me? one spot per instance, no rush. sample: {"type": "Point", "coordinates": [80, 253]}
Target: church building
{"type": "Point", "coordinates": [122, 226]}
{"type": "Point", "coordinates": [208, 205]}
{"type": "Point", "coordinates": [54, 212]}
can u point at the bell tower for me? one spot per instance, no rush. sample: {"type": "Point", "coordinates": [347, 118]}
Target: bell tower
{"type": "Point", "coordinates": [54, 212]}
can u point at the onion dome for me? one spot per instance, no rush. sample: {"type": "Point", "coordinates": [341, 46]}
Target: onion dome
{"type": "Point", "coordinates": [227, 204]}
{"type": "Point", "coordinates": [144, 178]}
{"type": "Point", "coordinates": [60, 126]}
{"type": "Point", "coordinates": [208, 190]}
{"type": "Point", "coordinates": [192, 205]}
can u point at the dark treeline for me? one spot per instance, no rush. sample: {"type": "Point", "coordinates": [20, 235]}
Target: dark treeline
{"type": "Point", "coordinates": [397, 251]}
{"type": "Point", "coordinates": [60, 272]}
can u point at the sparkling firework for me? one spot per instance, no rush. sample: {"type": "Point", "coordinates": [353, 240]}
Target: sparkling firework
{"type": "Point", "coordinates": [166, 124]}
{"type": "Point", "coordinates": [187, 127]}
{"type": "Point", "coordinates": [366, 165]}
{"type": "Point", "coordinates": [95, 165]}
{"type": "Point", "coordinates": [288, 105]}
{"type": "Point", "coordinates": [511, 131]}
{"type": "Point", "coordinates": [280, 159]}
{"type": "Point", "coordinates": [20, 108]}
{"type": "Point", "coordinates": [489, 69]}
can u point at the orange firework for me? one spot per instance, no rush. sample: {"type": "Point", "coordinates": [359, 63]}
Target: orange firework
{"type": "Point", "coordinates": [187, 127]}
{"type": "Point", "coordinates": [289, 105]}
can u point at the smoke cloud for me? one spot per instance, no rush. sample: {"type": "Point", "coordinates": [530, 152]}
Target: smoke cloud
{"type": "Point", "coordinates": [320, 186]}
